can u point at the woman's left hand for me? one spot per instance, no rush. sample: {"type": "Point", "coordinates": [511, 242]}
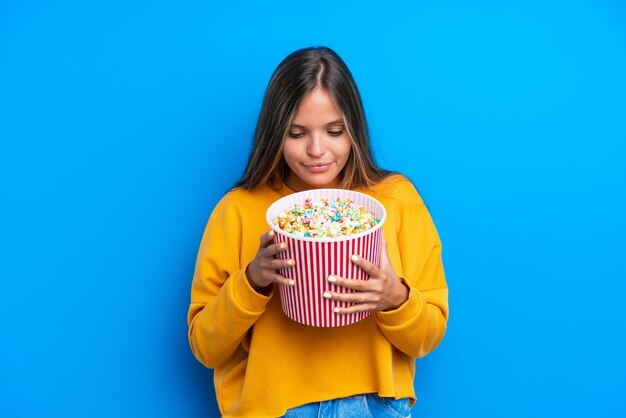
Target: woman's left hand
{"type": "Point", "coordinates": [382, 292]}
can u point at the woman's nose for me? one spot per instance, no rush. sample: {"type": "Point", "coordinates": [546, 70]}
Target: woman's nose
{"type": "Point", "coordinates": [315, 146]}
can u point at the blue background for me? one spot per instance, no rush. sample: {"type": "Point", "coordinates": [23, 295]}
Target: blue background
{"type": "Point", "coordinates": [123, 122]}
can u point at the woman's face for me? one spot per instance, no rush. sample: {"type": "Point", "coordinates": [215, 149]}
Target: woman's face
{"type": "Point", "coordinates": [317, 146]}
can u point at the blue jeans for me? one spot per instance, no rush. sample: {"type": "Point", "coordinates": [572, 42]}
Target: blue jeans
{"type": "Point", "coordinates": [358, 406]}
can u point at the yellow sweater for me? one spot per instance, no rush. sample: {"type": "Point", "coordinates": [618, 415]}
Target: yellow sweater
{"type": "Point", "coordinates": [266, 363]}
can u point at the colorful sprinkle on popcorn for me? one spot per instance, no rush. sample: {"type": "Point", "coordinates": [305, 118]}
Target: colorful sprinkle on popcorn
{"type": "Point", "coordinates": [326, 218]}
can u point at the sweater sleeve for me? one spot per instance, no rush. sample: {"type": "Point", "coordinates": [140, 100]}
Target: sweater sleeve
{"type": "Point", "coordinates": [224, 306]}
{"type": "Point", "coordinates": [418, 325]}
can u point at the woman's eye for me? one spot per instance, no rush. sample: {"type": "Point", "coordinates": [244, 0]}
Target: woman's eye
{"type": "Point", "coordinates": [335, 133]}
{"type": "Point", "coordinates": [296, 135]}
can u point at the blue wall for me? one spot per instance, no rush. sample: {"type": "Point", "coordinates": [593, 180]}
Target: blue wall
{"type": "Point", "coordinates": [123, 122]}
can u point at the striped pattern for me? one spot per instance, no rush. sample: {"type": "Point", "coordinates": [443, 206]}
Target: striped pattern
{"type": "Point", "coordinates": [315, 261]}
{"type": "Point", "coordinates": [317, 258]}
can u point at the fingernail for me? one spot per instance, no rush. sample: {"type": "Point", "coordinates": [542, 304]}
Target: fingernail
{"type": "Point", "coordinates": [283, 245]}
{"type": "Point", "coordinates": [332, 279]}
{"type": "Point", "coordinates": [327, 295]}
{"type": "Point", "coordinates": [354, 257]}
{"type": "Point", "coordinates": [271, 233]}
{"type": "Point", "coordinates": [291, 283]}
{"type": "Point", "coordinates": [336, 310]}
{"type": "Point", "coordinates": [290, 262]}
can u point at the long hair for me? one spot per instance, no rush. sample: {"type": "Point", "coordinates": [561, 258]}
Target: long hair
{"type": "Point", "coordinates": [295, 77]}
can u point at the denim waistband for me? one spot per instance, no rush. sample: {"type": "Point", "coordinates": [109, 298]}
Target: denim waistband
{"type": "Point", "coordinates": [357, 406]}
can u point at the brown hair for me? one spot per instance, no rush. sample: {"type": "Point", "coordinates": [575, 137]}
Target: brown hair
{"type": "Point", "coordinates": [295, 77]}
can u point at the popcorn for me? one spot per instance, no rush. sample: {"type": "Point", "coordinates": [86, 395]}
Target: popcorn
{"type": "Point", "coordinates": [326, 218]}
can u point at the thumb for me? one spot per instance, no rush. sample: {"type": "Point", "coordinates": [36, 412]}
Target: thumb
{"type": "Point", "coordinates": [384, 255]}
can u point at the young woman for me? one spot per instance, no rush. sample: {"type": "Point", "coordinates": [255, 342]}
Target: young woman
{"type": "Point", "coordinates": [312, 133]}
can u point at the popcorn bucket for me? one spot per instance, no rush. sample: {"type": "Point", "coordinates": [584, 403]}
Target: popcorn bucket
{"type": "Point", "coordinates": [318, 258]}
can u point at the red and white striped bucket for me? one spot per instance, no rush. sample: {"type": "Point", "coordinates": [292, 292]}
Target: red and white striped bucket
{"type": "Point", "coordinates": [318, 258]}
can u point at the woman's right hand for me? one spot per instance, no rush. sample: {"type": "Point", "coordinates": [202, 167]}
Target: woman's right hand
{"type": "Point", "coordinates": [261, 272]}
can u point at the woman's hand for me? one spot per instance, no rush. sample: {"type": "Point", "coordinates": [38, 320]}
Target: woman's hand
{"type": "Point", "coordinates": [383, 291]}
{"type": "Point", "coordinates": [261, 272]}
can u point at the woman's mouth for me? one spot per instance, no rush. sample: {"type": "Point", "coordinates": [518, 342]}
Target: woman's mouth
{"type": "Point", "coordinates": [317, 167]}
